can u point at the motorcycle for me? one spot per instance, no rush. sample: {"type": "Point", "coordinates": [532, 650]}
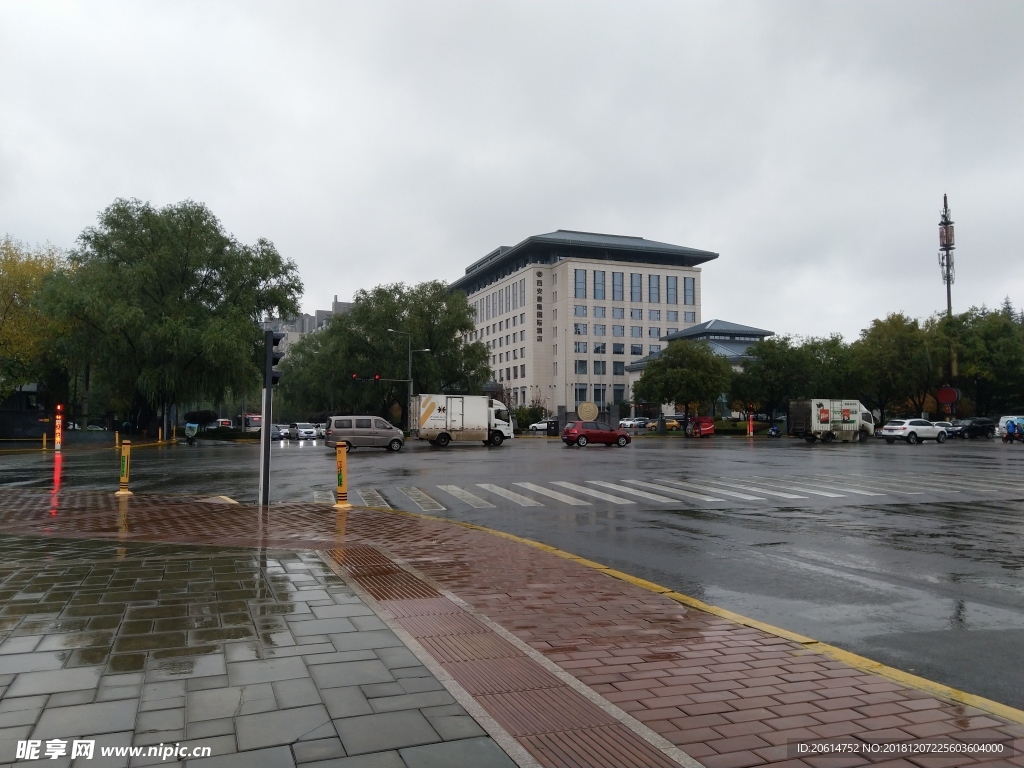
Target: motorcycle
{"type": "Point", "coordinates": [774, 431]}
{"type": "Point", "coordinates": [190, 433]}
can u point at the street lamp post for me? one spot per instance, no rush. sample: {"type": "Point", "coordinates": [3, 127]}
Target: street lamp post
{"type": "Point", "coordinates": [408, 404]}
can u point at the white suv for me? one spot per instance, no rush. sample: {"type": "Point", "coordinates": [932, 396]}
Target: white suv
{"type": "Point", "coordinates": [911, 430]}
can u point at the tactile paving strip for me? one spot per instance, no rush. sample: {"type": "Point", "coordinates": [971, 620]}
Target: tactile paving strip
{"type": "Point", "coordinates": [518, 673]}
{"type": "Point", "coordinates": [543, 710]}
{"type": "Point", "coordinates": [448, 648]}
{"type": "Point", "coordinates": [607, 746]}
{"type": "Point", "coordinates": [444, 624]}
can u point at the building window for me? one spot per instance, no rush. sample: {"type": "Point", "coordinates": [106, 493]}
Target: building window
{"type": "Point", "coordinates": [670, 331]}
{"type": "Point", "coordinates": [598, 311]}
{"type": "Point", "coordinates": [654, 332]}
{"type": "Point", "coordinates": [654, 289]}
{"type": "Point", "coordinates": [654, 314]}
{"type": "Point", "coordinates": [515, 371]}
{"type": "Point", "coordinates": [618, 313]}
{"type": "Point", "coordinates": [581, 394]}
{"type": "Point", "coordinates": [581, 367]}
{"type": "Point", "coordinates": [554, 349]}
{"type": "Point", "coordinates": [581, 283]}
{"type": "Point", "coordinates": [522, 292]}
{"type": "Point", "coordinates": [599, 329]}
{"type": "Point", "coordinates": [654, 349]}
{"type": "Point", "coordinates": [618, 330]}
{"type": "Point", "coordinates": [636, 314]}
{"type": "Point", "coordinates": [487, 308]}
{"type": "Point", "coordinates": [617, 286]}
{"type": "Point", "coordinates": [618, 349]}
{"type": "Point", "coordinates": [618, 368]}
{"type": "Point", "coordinates": [636, 286]}
{"type": "Point", "coordinates": [672, 316]}
{"type": "Point", "coordinates": [689, 317]}
{"type": "Point", "coordinates": [599, 392]}
{"type": "Point", "coordinates": [515, 297]}
{"type": "Point", "coordinates": [579, 310]}
{"type": "Point", "coordinates": [522, 371]}
{"type": "Point", "coordinates": [671, 290]}
{"type": "Point", "coordinates": [636, 349]}
{"type": "Point", "coordinates": [554, 368]}
{"type": "Point", "coordinates": [580, 347]}
{"type": "Point", "coordinates": [554, 314]}
{"type": "Point", "coordinates": [579, 329]}
{"type": "Point", "coordinates": [620, 393]}
{"type": "Point", "coordinates": [636, 331]}
{"type": "Point", "coordinates": [688, 290]}
{"type": "Point", "coordinates": [600, 367]}
{"type": "Point", "coordinates": [599, 284]}
{"type": "Point", "coordinates": [599, 347]}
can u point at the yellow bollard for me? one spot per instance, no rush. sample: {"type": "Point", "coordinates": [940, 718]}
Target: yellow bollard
{"type": "Point", "coordinates": [174, 433]}
{"type": "Point", "coordinates": [126, 466]}
{"type": "Point", "coordinates": [117, 439]}
{"type": "Point", "coordinates": [160, 434]}
{"type": "Point", "coordinates": [341, 454]}
{"type": "Point", "coordinates": [44, 441]}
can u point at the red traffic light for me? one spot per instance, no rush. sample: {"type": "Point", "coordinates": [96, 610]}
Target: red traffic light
{"type": "Point", "coordinates": [376, 377]}
{"type": "Point", "coordinates": [60, 407]}
{"type": "Point", "coordinates": [355, 376]}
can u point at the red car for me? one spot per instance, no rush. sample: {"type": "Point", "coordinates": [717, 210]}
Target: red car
{"type": "Point", "coordinates": [582, 432]}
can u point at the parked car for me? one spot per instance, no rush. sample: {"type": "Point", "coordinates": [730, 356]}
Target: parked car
{"type": "Point", "coordinates": [912, 431]}
{"type": "Point", "coordinates": [321, 430]}
{"type": "Point", "coordinates": [363, 432]}
{"type": "Point", "coordinates": [974, 427]}
{"type": "Point", "coordinates": [670, 424]}
{"type": "Point", "coordinates": [301, 431]}
{"type": "Point", "coordinates": [538, 426]}
{"type": "Point", "coordinates": [583, 432]}
{"type": "Point", "coordinates": [1000, 428]}
{"type": "Point", "coordinates": [633, 423]}
{"type": "Point", "coordinates": [277, 431]}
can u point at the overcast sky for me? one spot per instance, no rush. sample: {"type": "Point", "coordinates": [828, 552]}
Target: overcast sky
{"type": "Point", "coordinates": [808, 143]}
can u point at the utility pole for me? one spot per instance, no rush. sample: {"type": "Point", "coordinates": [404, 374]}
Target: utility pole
{"type": "Point", "coordinates": [946, 248]}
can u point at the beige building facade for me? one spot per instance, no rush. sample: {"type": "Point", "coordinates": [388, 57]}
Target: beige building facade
{"type": "Point", "coordinates": [563, 314]}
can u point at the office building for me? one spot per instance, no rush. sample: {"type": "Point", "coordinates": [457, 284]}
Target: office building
{"type": "Point", "coordinates": [564, 313]}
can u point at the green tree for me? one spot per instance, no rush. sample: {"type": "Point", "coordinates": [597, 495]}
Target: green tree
{"type": "Point", "coordinates": [318, 369]}
{"type": "Point", "coordinates": [686, 373]}
{"type": "Point", "coordinates": [776, 372]}
{"type": "Point", "coordinates": [27, 332]}
{"type": "Point", "coordinates": [896, 363]}
{"type": "Point", "coordinates": [989, 350]}
{"type": "Point", "coordinates": [830, 368]}
{"type": "Point", "coordinates": [166, 305]}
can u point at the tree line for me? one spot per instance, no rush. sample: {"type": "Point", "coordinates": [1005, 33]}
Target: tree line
{"type": "Point", "coordinates": [895, 366]}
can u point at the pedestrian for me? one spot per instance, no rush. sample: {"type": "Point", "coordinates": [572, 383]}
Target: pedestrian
{"type": "Point", "coordinates": [1011, 430]}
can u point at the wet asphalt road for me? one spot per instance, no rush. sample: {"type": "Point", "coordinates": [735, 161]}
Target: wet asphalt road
{"type": "Point", "coordinates": [913, 556]}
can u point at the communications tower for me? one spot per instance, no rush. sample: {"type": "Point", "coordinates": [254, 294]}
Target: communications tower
{"type": "Point", "coordinates": [946, 247]}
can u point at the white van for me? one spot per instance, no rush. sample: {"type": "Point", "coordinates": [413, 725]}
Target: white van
{"type": "Point", "coordinates": [363, 432]}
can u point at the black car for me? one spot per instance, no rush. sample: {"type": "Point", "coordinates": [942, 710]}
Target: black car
{"type": "Point", "coordinates": [976, 427]}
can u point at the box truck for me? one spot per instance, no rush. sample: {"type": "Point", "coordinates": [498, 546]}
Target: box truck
{"type": "Point", "coordinates": [444, 418]}
{"type": "Point", "coordinates": [828, 420]}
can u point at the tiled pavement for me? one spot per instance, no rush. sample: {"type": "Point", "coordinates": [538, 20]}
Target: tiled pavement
{"type": "Point", "coordinates": [580, 669]}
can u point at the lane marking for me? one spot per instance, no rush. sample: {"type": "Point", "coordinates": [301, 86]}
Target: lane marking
{"type": "Point", "coordinates": [666, 489]}
{"type": "Point", "coordinates": [765, 491]}
{"type": "Point", "coordinates": [850, 659]}
{"type": "Point", "coordinates": [641, 494]}
{"type": "Point", "coordinates": [744, 496]}
{"type": "Point", "coordinates": [790, 487]}
{"type": "Point", "coordinates": [592, 492]}
{"type": "Point", "coordinates": [902, 482]}
{"type": "Point", "coordinates": [421, 500]}
{"type": "Point", "coordinates": [473, 500]}
{"type": "Point", "coordinates": [323, 497]}
{"type": "Point", "coordinates": [522, 501]}
{"type": "Point", "coordinates": [554, 494]}
{"type": "Point", "coordinates": [372, 498]}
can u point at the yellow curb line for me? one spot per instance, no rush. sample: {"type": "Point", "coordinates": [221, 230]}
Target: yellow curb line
{"type": "Point", "coordinates": [850, 659]}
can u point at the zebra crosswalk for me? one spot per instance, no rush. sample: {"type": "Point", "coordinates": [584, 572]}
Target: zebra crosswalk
{"type": "Point", "coordinates": [748, 491]}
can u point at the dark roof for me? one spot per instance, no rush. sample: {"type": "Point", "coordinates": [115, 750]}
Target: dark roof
{"type": "Point", "coordinates": [565, 242]}
{"type": "Point", "coordinates": [716, 327]}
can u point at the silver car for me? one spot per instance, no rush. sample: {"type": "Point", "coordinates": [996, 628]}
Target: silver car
{"type": "Point", "coordinates": [363, 432]}
{"type": "Point", "coordinates": [301, 431]}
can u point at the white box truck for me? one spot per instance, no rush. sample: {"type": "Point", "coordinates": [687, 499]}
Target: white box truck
{"type": "Point", "coordinates": [828, 420]}
{"type": "Point", "coordinates": [462, 418]}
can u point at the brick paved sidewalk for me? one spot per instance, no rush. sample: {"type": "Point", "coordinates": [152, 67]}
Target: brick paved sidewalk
{"type": "Point", "coordinates": [581, 669]}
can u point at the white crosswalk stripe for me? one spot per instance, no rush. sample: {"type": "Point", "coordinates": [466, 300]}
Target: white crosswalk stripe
{"type": "Point", "coordinates": [905, 482]}
{"type": "Point", "coordinates": [323, 497]}
{"type": "Point", "coordinates": [591, 492]}
{"type": "Point", "coordinates": [788, 486]}
{"type": "Point", "coordinates": [696, 487]}
{"type": "Point", "coordinates": [678, 492]}
{"type": "Point", "coordinates": [830, 480]}
{"type": "Point", "coordinates": [554, 494]}
{"type": "Point", "coordinates": [473, 500]}
{"type": "Point", "coordinates": [371, 498]}
{"type": "Point", "coordinates": [522, 501]}
{"type": "Point", "coordinates": [634, 492]}
{"type": "Point", "coordinates": [421, 500]}
{"type": "Point", "coordinates": [765, 491]}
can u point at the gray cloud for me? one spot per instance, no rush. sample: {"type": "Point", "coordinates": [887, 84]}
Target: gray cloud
{"type": "Point", "coordinates": [807, 142]}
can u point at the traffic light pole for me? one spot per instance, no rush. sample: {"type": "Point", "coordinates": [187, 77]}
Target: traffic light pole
{"type": "Point", "coordinates": [271, 358]}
